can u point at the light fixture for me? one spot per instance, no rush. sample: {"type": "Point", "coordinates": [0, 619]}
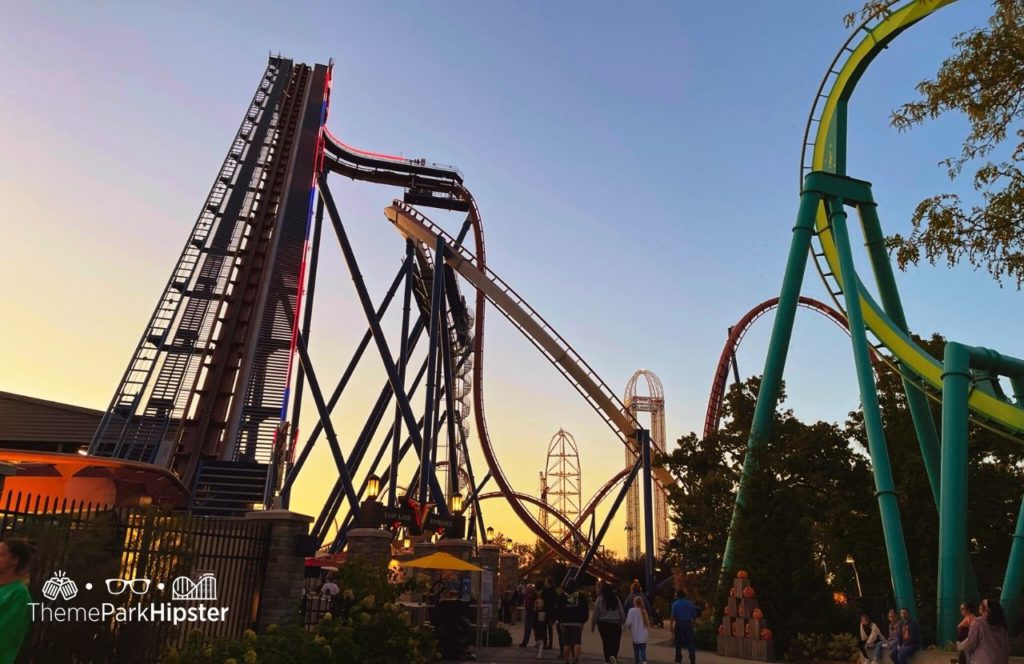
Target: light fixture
{"type": "Point", "coordinates": [490, 533]}
{"type": "Point", "coordinates": [256, 507]}
{"type": "Point", "coordinates": [372, 487]}
{"type": "Point", "coordinates": [406, 543]}
{"type": "Point", "coordinates": [455, 503]}
{"type": "Point", "coordinates": [849, 559]}
{"type": "Point", "coordinates": [508, 545]}
{"type": "Point", "coordinates": [83, 451]}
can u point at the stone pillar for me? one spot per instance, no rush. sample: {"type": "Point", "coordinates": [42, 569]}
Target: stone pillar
{"type": "Point", "coordinates": [509, 570]}
{"type": "Point", "coordinates": [281, 594]}
{"type": "Point", "coordinates": [489, 557]}
{"type": "Point", "coordinates": [509, 566]}
{"type": "Point", "coordinates": [371, 545]}
{"type": "Point", "coordinates": [460, 548]}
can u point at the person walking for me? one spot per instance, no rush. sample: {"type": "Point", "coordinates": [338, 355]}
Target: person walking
{"type": "Point", "coordinates": [528, 614]}
{"type": "Point", "coordinates": [910, 638]}
{"type": "Point", "coordinates": [969, 611]}
{"type": "Point", "coordinates": [988, 641]}
{"type": "Point", "coordinates": [15, 556]}
{"type": "Point", "coordinates": [540, 621]}
{"type": "Point", "coordinates": [684, 614]}
{"type": "Point", "coordinates": [608, 617]}
{"type": "Point", "coordinates": [870, 640]}
{"type": "Point", "coordinates": [573, 612]}
{"type": "Point", "coordinates": [639, 624]}
{"type": "Point", "coordinates": [550, 597]}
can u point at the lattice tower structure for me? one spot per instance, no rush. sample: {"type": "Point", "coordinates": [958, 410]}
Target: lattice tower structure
{"type": "Point", "coordinates": [654, 404]}
{"type": "Point", "coordinates": [564, 481]}
{"type": "Point", "coordinates": [542, 512]}
{"type": "Point", "coordinates": [206, 390]}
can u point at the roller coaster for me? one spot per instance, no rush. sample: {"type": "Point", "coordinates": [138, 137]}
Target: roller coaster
{"type": "Point", "coordinates": [967, 380]}
{"type": "Point", "coordinates": [212, 391]}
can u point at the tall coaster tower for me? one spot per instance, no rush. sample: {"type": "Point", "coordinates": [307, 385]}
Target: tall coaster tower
{"type": "Point", "coordinates": [206, 389]}
{"type": "Point", "coordinates": [653, 403]}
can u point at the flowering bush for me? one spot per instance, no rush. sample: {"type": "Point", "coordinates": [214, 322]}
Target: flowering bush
{"type": "Point", "coordinates": [370, 627]}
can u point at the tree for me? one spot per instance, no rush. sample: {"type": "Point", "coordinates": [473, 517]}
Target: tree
{"type": "Point", "coordinates": [983, 79]}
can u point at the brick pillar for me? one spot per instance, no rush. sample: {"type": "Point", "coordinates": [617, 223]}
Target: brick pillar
{"type": "Point", "coordinates": [281, 594]}
{"type": "Point", "coordinates": [489, 557]}
{"type": "Point", "coordinates": [371, 545]}
{"type": "Point", "coordinates": [509, 570]}
{"type": "Point", "coordinates": [460, 548]}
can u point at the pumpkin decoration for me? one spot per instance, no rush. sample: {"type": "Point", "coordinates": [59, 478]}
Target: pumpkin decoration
{"type": "Point", "coordinates": [743, 611]}
{"type": "Point", "coordinates": [758, 614]}
{"type": "Point", "coordinates": [749, 631]}
{"type": "Point", "coordinates": [748, 593]}
{"type": "Point", "coordinates": [732, 591]}
{"type": "Point", "coordinates": [728, 610]}
{"type": "Point", "coordinates": [742, 574]}
{"type": "Point", "coordinates": [766, 634]}
{"type": "Point", "coordinates": [736, 629]}
{"type": "Point", "coordinates": [721, 630]}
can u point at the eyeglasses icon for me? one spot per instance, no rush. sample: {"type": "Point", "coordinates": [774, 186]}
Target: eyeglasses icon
{"type": "Point", "coordinates": [137, 586]}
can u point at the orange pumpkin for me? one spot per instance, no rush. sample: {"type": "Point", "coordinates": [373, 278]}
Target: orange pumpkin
{"type": "Point", "coordinates": [732, 591]}
{"type": "Point", "coordinates": [749, 631]}
{"type": "Point", "coordinates": [758, 613]}
{"type": "Point", "coordinates": [721, 630]}
{"type": "Point", "coordinates": [743, 611]}
{"type": "Point", "coordinates": [742, 574]}
{"type": "Point", "coordinates": [728, 610]}
{"type": "Point", "coordinates": [736, 629]}
{"type": "Point", "coordinates": [748, 593]}
{"type": "Point", "coordinates": [766, 634]}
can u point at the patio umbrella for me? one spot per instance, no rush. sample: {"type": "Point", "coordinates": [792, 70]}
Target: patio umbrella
{"type": "Point", "coordinates": [441, 560]}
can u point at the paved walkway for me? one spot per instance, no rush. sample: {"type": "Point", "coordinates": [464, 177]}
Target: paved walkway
{"type": "Point", "coordinates": [659, 650]}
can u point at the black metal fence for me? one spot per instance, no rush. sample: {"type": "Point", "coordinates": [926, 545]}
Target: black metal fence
{"type": "Point", "coordinates": [126, 584]}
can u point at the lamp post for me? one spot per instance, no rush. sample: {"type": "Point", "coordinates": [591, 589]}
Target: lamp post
{"type": "Point", "coordinates": [856, 576]}
{"type": "Point", "coordinates": [490, 534]}
{"type": "Point", "coordinates": [372, 487]}
{"type": "Point", "coordinates": [455, 503]}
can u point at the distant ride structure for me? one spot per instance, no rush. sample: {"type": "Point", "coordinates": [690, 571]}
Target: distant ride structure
{"type": "Point", "coordinates": [968, 380]}
{"type": "Point", "coordinates": [562, 483]}
{"type": "Point", "coordinates": [652, 403]}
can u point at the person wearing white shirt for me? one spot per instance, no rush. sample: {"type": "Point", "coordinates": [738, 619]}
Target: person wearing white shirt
{"type": "Point", "coordinates": [638, 623]}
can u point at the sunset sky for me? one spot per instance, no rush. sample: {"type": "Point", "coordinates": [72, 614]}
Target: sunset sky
{"type": "Point", "coordinates": [636, 171]}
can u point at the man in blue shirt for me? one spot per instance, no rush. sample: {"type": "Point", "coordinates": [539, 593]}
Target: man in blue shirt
{"type": "Point", "coordinates": [909, 638]}
{"type": "Point", "coordinates": [684, 614]}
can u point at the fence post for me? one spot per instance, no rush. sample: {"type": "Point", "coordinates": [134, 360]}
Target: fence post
{"type": "Point", "coordinates": [281, 595]}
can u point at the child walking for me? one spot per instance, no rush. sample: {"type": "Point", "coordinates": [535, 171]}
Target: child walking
{"type": "Point", "coordinates": [638, 623]}
{"type": "Point", "coordinates": [540, 625]}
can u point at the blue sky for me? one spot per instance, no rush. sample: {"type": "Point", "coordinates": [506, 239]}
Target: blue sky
{"type": "Point", "coordinates": [636, 170]}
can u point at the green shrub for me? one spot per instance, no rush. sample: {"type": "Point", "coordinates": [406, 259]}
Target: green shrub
{"type": "Point", "coordinates": [706, 631]}
{"type": "Point", "coordinates": [807, 648]}
{"type": "Point", "coordinates": [842, 647]}
{"type": "Point", "coordinates": [499, 637]}
{"type": "Point", "coordinates": [371, 627]}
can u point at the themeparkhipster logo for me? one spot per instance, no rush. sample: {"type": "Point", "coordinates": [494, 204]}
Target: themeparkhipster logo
{"type": "Point", "coordinates": [137, 591]}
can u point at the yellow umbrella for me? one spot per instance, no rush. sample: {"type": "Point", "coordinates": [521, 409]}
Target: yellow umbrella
{"type": "Point", "coordinates": [441, 560]}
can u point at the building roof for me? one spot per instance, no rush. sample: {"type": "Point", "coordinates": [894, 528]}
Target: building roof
{"type": "Point", "coordinates": [25, 419]}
